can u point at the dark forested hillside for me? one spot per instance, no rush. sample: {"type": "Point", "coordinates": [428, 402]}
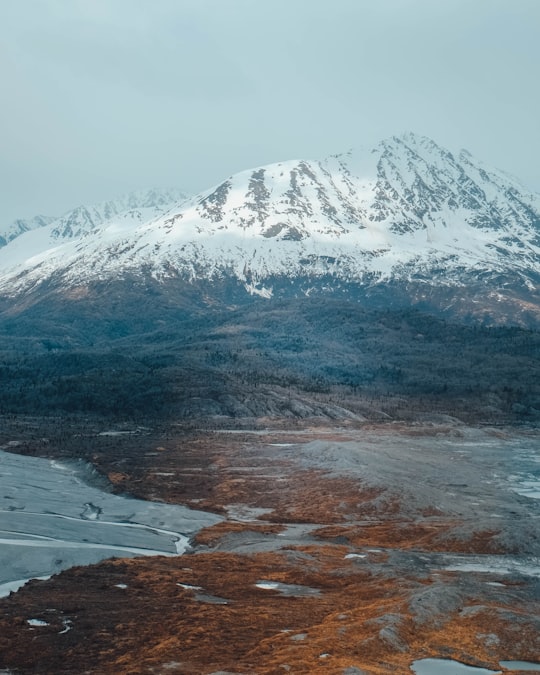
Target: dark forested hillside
{"type": "Point", "coordinates": [151, 353]}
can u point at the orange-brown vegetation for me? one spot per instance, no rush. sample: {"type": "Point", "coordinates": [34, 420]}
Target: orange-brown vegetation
{"type": "Point", "coordinates": [213, 470]}
{"type": "Point", "coordinates": [202, 613]}
{"type": "Point", "coordinates": [433, 536]}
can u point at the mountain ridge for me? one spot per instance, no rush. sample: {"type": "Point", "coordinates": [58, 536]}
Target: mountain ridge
{"type": "Point", "coordinates": [43, 233]}
{"type": "Point", "coordinates": [20, 226]}
{"type": "Point", "coordinates": [404, 212]}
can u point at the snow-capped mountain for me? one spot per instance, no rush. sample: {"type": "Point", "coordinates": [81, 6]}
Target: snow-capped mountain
{"type": "Point", "coordinates": [405, 210]}
{"type": "Point", "coordinates": [142, 204]}
{"type": "Point", "coordinates": [20, 226]}
{"type": "Point", "coordinates": [42, 238]}
{"type": "Point", "coordinates": [135, 207]}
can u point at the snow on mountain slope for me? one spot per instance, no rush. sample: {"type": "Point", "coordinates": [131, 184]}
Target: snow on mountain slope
{"type": "Point", "coordinates": [19, 226]}
{"type": "Point", "coordinates": [120, 215]}
{"type": "Point", "coordinates": [404, 208]}
{"type": "Point", "coordinates": [140, 206]}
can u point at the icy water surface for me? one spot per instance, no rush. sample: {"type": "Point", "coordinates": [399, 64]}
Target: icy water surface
{"type": "Point", "coordinates": [51, 518]}
{"type": "Point", "coordinates": [526, 481]}
{"type": "Point", "coordinates": [448, 667]}
{"type": "Point", "coordinates": [521, 665]}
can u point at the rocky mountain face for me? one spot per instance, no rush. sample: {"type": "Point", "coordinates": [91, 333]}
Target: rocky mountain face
{"type": "Point", "coordinates": [407, 214]}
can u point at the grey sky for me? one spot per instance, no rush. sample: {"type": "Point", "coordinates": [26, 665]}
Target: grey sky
{"type": "Point", "coordinates": [103, 96]}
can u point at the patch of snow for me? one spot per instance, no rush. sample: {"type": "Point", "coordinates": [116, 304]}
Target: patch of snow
{"type": "Point", "coordinates": [268, 585]}
{"type": "Point", "coordinates": [189, 587]}
{"type": "Point", "coordinates": [36, 622]}
{"type": "Point", "coordinates": [68, 625]}
{"type": "Point", "coordinates": [293, 590]}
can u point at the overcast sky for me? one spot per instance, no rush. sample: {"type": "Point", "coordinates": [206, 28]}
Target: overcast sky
{"type": "Point", "coordinates": [103, 96]}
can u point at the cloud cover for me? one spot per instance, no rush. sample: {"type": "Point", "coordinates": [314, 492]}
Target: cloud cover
{"type": "Point", "coordinates": [103, 96]}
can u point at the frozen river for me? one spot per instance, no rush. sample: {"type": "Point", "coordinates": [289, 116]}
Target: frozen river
{"type": "Point", "coordinates": [51, 518]}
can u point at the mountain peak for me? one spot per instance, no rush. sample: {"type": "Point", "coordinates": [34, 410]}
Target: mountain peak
{"type": "Point", "coordinates": [405, 209]}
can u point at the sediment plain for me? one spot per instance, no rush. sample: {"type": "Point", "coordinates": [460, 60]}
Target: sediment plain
{"type": "Point", "coordinates": [353, 549]}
